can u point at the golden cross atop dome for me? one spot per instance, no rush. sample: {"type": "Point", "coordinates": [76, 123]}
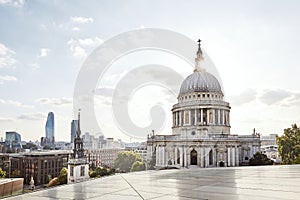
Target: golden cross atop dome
{"type": "Point", "coordinates": [198, 58]}
{"type": "Point", "coordinates": [199, 41]}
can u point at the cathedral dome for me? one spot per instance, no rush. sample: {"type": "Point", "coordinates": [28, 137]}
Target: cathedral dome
{"type": "Point", "coordinates": [200, 81]}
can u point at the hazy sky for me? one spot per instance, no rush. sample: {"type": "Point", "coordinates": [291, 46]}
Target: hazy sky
{"type": "Point", "coordinates": [43, 44]}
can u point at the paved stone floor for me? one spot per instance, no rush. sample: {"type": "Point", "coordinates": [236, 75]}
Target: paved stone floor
{"type": "Point", "coordinates": [266, 182]}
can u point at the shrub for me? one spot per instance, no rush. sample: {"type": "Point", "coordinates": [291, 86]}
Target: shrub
{"type": "Point", "coordinates": [53, 182]}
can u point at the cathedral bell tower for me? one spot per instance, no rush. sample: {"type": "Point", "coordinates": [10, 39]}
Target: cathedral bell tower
{"type": "Point", "coordinates": [78, 167]}
{"type": "Point", "coordinates": [78, 151]}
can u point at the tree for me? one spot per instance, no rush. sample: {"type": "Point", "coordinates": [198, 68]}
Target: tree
{"type": "Point", "coordinates": [289, 145]}
{"type": "Point", "coordinates": [138, 166]}
{"type": "Point", "coordinates": [2, 173]}
{"type": "Point", "coordinates": [260, 159]}
{"type": "Point", "coordinates": [93, 166]}
{"type": "Point", "coordinates": [100, 171]}
{"type": "Point", "coordinates": [63, 176]}
{"type": "Point", "coordinates": [30, 146]}
{"type": "Point", "coordinates": [47, 147]}
{"type": "Point", "coordinates": [125, 160]}
{"type": "Point", "coordinates": [93, 174]}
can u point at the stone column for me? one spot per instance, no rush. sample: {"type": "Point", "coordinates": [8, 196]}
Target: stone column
{"type": "Point", "coordinates": [185, 157]}
{"type": "Point", "coordinates": [166, 156]}
{"type": "Point", "coordinates": [188, 157]}
{"type": "Point", "coordinates": [236, 156]}
{"type": "Point", "coordinates": [206, 157]}
{"type": "Point", "coordinates": [207, 117]}
{"type": "Point", "coordinates": [228, 118]}
{"type": "Point", "coordinates": [175, 153]}
{"type": "Point", "coordinates": [175, 123]}
{"type": "Point", "coordinates": [251, 152]}
{"type": "Point", "coordinates": [173, 115]}
{"type": "Point", "coordinates": [160, 156]}
{"type": "Point", "coordinates": [190, 117]}
{"type": "Point", "coordinates": [198, 156]}
{"type": "Point", "coordinates": [180, 118]}
{"type": "Point", "coordinates": [233, 156]}
{"type": "Point", "coordinates": [228, 157]}
{"type": "Point", "coordinates": [202, 157]}
{"type": "Point", "coordinates": [174, 118]}
{"type": "Point", "coordinates": [214, 157]}
{"type": "Point", "coordinates": [223, 117]}
{"type": "Point", "coordinates": [181, 156]}
{"type": "Point", "coordinates": [219, 116]}
{"type": "Point", "coordinates": [163, 155]}
{"type": "Point", "coordinates": [201, 117]}
{"type": "Point", "coordinates": [157, 155]}
{"type": "Point", "coordinates": [213, 116]}
{"type": "Point", "coordinates": [195, 116]}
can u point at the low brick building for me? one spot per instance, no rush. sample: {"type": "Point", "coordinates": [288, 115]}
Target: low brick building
{"type": "Point", "coordinates": [39, 165]}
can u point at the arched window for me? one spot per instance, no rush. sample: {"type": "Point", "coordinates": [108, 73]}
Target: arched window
{"type": "Point", "coordinates": [193, 157]}
{"type": "Point", "coordinates": [211, 157]}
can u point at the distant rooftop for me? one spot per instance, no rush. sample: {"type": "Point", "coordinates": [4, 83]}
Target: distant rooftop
{"type": "Point", "coordinates": [38, 153]}
{"type": "Point", "coordinates": [265, 182]}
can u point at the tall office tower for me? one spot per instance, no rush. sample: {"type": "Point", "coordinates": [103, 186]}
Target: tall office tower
{"type": "Point", "coordinates": [74, 128]}
{"type": "Point", "coordinates": [49, 128]}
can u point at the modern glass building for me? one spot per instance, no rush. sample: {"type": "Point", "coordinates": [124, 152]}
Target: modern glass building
{"type": "Point", "coordinates": [13, 140]}
{"type": "Point", "coordinates": [49, 128]}
{"type": "Point", "coordinates": [74, 128]}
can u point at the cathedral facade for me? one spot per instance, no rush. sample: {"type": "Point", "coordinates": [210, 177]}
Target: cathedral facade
{"type": "Point", "coordinates": [201, 128]}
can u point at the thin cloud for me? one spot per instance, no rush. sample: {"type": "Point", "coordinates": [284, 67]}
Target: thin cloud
{"type": "Point", "coordinates": [6, 57]}
{"type": "Point", "coordinates": [7, 78]}
{"type": "Point", "coordinates": [32, 116]}
{"type": "Point", "coordinates": [82, 20]}
{"type": "Point", "coordinates": [104, 91]}
{"type": "Point", "coordinates": [34, 66]}
{"type": "Point", "coordinates": [245, 97]}
{"type": "Point", "coordinates": [15, 3]}
{"type": "Point", "coordinates": [273, 96]}
{"type": "Point", "coordinates": [6, 119]}
{"type": "Point", "coordinates": [44, 52]}
{"type": "Point", "coordinates": [75, 28]}
{"type": "Point", "coordinates": [14, 103]}
{"type": "Point", "coordinates": [79, 47]}
{"type": "Point", "coordinates": [55, 101]}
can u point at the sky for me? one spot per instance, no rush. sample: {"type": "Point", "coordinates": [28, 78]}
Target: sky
{"type": "Point", "coordinates": [254, 46]}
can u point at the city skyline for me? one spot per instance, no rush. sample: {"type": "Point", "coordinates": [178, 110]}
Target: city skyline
{"type": "Point", "coordinates": [254, 47]}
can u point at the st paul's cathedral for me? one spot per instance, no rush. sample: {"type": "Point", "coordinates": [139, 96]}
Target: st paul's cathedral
{"type": "Point", "coordinates": [201, 128]}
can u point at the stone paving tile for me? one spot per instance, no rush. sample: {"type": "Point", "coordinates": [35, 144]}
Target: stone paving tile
{"type": "Point", "coordinates": [234, 183]}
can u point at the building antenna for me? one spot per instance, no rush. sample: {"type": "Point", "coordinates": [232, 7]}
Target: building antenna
{"type": "Point", "coordinates": [78, 125]}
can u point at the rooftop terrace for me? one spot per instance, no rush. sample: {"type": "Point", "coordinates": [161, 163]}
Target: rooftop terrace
{"type": "Point", "coordinates": [265, 182]}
